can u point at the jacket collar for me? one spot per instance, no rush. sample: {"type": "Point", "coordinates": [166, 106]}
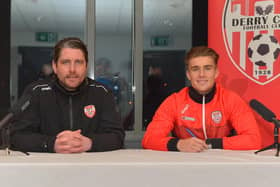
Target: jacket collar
{"type": "Point", "coordinates": [79, 89]}
{"type": "Point", "coordinates": [197, 97]}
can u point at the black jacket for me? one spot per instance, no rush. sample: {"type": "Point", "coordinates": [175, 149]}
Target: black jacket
{"type": "Point", "coordinates": [53, 109]}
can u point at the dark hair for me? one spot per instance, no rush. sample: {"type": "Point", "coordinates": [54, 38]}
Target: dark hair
{"type": "Point", "coordinates": [70, 42]}
{"type": "Point", "coordinates": [200, 51]}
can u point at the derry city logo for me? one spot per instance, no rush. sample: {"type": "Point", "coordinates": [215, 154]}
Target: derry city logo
{"type": "Point", "coordinates": [251, 32]}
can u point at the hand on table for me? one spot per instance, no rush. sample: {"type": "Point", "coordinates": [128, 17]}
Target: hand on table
{"type": "Point", "coordinates": [191, 145]}
{"type": "Point", "coordinates": [72, 142]}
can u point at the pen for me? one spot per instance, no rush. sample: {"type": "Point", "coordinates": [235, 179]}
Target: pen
{"type": "Point", "coordinates": [193, 135]}
{"type": "Point", "coordinates": [190, 132]}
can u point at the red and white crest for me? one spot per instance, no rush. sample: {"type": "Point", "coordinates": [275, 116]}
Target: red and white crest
{"type": "Point", "coordinates": [251, 32]}
{"type": "Point", "coordinates": [89, 111]}
{"type": "Point", "coordinates": [217, 116]}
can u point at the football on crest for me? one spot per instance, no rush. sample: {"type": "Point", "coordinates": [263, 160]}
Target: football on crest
{"type": "Point", "coordinates": [263, 49]}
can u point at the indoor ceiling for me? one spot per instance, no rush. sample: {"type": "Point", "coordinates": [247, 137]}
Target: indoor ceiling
{"type": "Point", "coordinates": [112, 16]}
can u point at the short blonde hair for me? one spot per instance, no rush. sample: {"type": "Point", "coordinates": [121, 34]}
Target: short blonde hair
{"type": "Point", "coordinates": [200, 51]}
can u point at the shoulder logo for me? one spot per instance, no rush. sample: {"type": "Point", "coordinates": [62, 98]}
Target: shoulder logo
{"type": "Point", "coordinates": [185, 108]}
{"type": "Point", "coordinates": [89, 111]}
{"type": "Point", "coordinates": [46, 88]}
{"type": "Point", "coordinates": [251, 32]}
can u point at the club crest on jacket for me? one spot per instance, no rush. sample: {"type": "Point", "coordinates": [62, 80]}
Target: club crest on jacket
{"type": "Point", "coordinates": [89, 111]}
{"type": "Point", "coordinates": [217, 116]}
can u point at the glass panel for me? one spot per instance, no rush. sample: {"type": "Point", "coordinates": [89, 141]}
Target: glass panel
{"type": "Point", "coordinates": [113, 64]}
{"type": "Point", "coordinates": [35, 27]}
{"type": "Point", "coordinates": [167, 34]}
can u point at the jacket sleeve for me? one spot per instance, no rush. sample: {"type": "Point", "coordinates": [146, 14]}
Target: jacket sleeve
{"type": "Point", "coordinates": [110, 133]}
{"type": "Point", "coordinates": [157, 135]}
{"type": "Point", "coordinates": [25, 130]}
{"type": "Point", "coordinates": [243, 121]}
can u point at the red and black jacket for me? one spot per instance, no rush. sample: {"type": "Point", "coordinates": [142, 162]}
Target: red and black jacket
{"type": "Point", "coordinates": [220, 112]}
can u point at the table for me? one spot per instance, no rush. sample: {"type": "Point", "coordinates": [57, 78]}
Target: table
{"type": "Point", "coordinates": [137, 167]}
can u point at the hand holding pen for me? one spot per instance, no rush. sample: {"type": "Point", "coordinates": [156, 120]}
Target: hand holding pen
{"type": "Point", "coordinates": [192, 144]}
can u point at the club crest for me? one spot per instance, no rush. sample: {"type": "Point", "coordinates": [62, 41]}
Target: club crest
{"type": "Point", "coordinates": [89, 111]}
{"type": "Point", "coordinates": [251, 32]}
{"type": "Point", "coordinates": [217, 116]}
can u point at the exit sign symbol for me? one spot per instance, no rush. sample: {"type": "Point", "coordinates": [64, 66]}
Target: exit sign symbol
{"type": "Point", "coordinates": [160, 41]}
{"type": "Point", "coordinates": [46, 36]}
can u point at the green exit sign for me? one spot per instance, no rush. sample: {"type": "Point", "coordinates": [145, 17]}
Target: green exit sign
{"type": "Point", "coordinates": [46, 36]}
{"type": "Point", "coordinates": [160, 41]}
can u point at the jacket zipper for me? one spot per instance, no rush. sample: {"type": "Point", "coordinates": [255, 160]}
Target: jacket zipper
{"type": "Point", "coordinates": [70, 113]}
{"type": "Point", "coordinates": [203, 117]}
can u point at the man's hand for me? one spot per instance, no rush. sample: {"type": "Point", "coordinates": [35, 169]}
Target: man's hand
{"type": "Point", "coordinates": [72, 142]}
{"type": "Point", "coordinates": [191, 145]}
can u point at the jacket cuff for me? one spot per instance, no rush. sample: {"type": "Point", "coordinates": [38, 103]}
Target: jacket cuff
{"type": "Point", "coordinates": [215, 143]}
{"type": "Point", "coordinates": [48, 145]}
{"type": "Point", "coordinates": [172, 144]}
